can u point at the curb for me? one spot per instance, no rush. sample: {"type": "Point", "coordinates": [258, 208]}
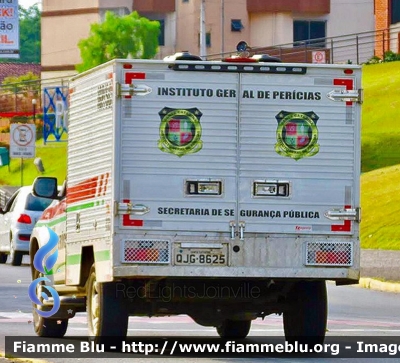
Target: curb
{"type": "Point", "coordinates": [373, 284]}
{"type": "Point", "coordinates": [4, 359]}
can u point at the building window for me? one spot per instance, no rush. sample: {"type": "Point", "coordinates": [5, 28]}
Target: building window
{"type": "Point", "coordinates": [394, 11]}
{"type": "Point", "coordinates": [309, 33]}
{"type": "Point", "coordinates": [208, 40]}
{"type": "Point", "coordinates": [236, 25]}
{"type": "Point", "coordinates": [161, 37]}
{"type": "Point", "coordinates": [185, 1]}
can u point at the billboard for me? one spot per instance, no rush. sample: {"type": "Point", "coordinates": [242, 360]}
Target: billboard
{"type": "Point", "coordinates": [9, 29]}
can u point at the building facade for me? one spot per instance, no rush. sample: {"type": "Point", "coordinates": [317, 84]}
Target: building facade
{"type": "Point", "coordinates": [64, 23]}
{"type": "Point", "coordinates": [260, 23]}
{"type": "Point", "coordinates": [387, 25]}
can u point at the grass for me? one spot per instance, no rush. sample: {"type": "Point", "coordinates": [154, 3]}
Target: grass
{"type": "Point", "coordinates": [380, 197]}
{"type": "Point", "coordinates": [380, 161]}
{"type": "Point", "coordinates": [380, 115]}
{"type": "Point", "coordinates": [54, 158]}
{"type": "Point", "coordinates": [380, 205]}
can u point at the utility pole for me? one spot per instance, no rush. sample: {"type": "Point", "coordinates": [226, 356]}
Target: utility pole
{"type": "Point", "coordinates": [222, 27]}
{"type": "Point", "coordinates": [203, 52]}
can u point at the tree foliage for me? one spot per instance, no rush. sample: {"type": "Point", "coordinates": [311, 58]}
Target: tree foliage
{"type": "Point", "coordinates": [29, 35]}
{"type": "Point", "coordinates": [130, 36]}
{"type": "Point", "coordinates": [25, 82]}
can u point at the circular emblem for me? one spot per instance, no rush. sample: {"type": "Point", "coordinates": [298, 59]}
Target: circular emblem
{"type": "Point", "coordinates": [180, 131]}
{"type": "Point", "coordinates": [297, 135]}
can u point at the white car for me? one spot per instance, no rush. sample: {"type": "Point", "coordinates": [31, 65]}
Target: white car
{"type": "Point", "coordinates": [17, 220]}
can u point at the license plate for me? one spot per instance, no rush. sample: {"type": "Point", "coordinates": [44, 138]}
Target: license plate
{"type": "Point", "coordinates": [201, 257]}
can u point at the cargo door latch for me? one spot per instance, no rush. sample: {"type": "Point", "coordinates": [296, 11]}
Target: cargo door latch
{"type": "Point", "coordinates": [234, 233]}
{"type": "Point", "coordinates": [132, 90]}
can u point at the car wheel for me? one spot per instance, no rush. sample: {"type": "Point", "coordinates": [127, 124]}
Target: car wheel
{"type": "Point", "coordinates": [3, 257]}
{"type": "Point", "coordinates": [15, 256]}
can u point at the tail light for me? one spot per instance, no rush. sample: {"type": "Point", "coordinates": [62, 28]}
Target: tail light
{"type": "Point", "coordinates": [24, 218]}
{"type": "Point", "coordinates": [24, 237]}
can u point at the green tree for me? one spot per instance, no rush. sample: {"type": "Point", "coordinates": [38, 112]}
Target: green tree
{"type": "Point", "coordinates": [26, 82]}
{"type": "Point", "coordinates": [29, 35]}
{"type": "Point", "coordinates": [130, 36]}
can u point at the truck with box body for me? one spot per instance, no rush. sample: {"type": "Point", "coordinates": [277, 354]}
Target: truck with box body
{"type": "Point", "coordinates": [224, 190]}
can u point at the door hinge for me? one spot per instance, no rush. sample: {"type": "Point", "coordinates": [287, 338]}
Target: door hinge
{"type": "Point", "coordinates": [130, 208]}
{"type": "Point", "coordinates": [346, 95]}
{"type": "Point", "coordinates": [352, 214]}
{"type": "Point", "coordinates": [133, 89]}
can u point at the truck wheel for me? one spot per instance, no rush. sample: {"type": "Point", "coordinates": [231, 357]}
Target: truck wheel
{"type": "Point", "coordinates": [3, 257]}
{"type": "Point", "coordinates": [107, 317]}
{"type": "Point", "coordinates": [305, 321]}
{"type": "Point", "coordinates": [15, 256]}
{"type": "Point", "coordinates": [45, 327]}
{"type": "Point", "coordinates": [234, 328]}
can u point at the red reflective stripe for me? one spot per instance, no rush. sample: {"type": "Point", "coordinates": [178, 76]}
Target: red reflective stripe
{"type": "Point", "coordinates": [345, 227]}
{"type": "Point", "coordinates": [129, 76]}
{"type": "Point", "coordinates": [88, 188]}
{"type": "Point", "coordinates": [127, 221]}
{"type": "Point", "coordinates": [83, 190]}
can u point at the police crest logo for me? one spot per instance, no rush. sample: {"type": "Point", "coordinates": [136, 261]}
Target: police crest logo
{"type": "Point", "coordinates": [297, 134]}
{"type": "Point", "coordinates": [180, 131]}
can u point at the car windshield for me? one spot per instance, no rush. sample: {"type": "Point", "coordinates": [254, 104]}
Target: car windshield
{"type": "Point", "coordinates": [37, 204]}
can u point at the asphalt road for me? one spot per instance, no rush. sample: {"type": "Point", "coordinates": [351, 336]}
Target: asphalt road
{"type": "Point", "coordinates": [353, 312]}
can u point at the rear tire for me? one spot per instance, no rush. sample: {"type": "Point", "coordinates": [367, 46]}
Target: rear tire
{"type": "Point", "coordinates": [15, 256]}
{"type": "Point", "coordinates": [306, 319]}
{"type": "Point", "coordinates": [3, 257]}
{"type": "Point", "coordinates": [107, 316]}
{"type": "Point", "coordinates": [234, 328]}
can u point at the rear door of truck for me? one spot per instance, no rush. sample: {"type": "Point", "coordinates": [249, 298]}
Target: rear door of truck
{"type": "Point", "coordinates": [239, 149]}
{"type": "Point", "coordinates": [299, 150]}
{"type": "Point", "coordinates": [179, 149]}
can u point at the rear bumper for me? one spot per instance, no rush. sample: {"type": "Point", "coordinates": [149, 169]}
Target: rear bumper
{"type": "Point", "coordinates": [261, 256]}
{"type": "Point", "coordinates": [338, 273]}
{"type": "Point", "coordinates": [20, 244]}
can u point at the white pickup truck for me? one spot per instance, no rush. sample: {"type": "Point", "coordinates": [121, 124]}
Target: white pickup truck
{"type": "Point", "coordinates": [224, 190]}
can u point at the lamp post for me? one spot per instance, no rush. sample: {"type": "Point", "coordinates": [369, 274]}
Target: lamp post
{"type": "Point", "coordinates": [34, 109]}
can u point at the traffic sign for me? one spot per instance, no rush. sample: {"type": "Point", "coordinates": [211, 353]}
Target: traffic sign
{"type": "Point", "coordinates": [319, 56]}
{"type": "Point", "coordinates": [22, 140]}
